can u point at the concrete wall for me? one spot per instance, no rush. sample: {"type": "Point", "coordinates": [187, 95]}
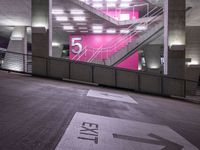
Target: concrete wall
{"type": "Point", "coordinates": [193, 44]}
{"type": "Point", "coordinates": [192, 52]}
{"type": "Point", "coordinates": [57, 51]}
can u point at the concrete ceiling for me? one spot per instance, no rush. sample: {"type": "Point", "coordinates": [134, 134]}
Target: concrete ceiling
{"type": "Point", "coordinates": [15, 12]}
{"type": "Point", "coordinates": [192, 16]}
{"type": "Point", "coordinates": [18, 13]}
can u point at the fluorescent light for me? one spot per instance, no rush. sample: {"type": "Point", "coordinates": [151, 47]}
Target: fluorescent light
{"type": "Point", "coordinates": [76, 12]}
{"type": "Point", "coordinates": [61, 18]}
{"type": "Point", "coordinates": [111, 31]}
{"type": "Point", "coordinates": [124, 5]}
{"type": "Point", "coordinates": [97, 27]}
{"type": "Point", "coordinates": [79, 18]}
{"type": "Point", "coordinates": [141, 27]}
{"type": "Point", "coordinates": [68, 27]}
{"type": "Point", "coordinates": [97, 0]}
{"type": "Point", "coordinates": [124, 31]}
{"type": "Point", "coordinates": [57, 11]}
{"type": "Point", "coordinates": [111, 5]}
{"type": "Point", "coordinates": [97, 5]}
{"type": "Point", "coordinates": [55, 44]}
{"type": "Point", "coordinates": [97, 31]}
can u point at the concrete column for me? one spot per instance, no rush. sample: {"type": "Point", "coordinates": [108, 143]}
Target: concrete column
{"type": "Point", "coordinates": [42, 27]}
{"type": "Point", "coordinates": [41, 34]}
{"type": "Point", "coordinates": [152, 55]}
{"type": "Point", "coordinates": [174, 38]}
{"type": "Point", "coordinates": [14, 58]}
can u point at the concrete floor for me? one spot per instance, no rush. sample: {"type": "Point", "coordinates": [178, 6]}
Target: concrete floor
{"type": "Point", "coordinates": [35, 112]}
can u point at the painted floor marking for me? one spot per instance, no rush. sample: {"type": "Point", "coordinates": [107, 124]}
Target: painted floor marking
{"type": "Point", "coordinates": [92, 132]}
{"type": "Point", "coordinates": [111, 96]}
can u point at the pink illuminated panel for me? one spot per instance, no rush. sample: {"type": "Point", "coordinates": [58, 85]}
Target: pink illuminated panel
{"type": "Point", "coordinates": [102, 46]}
{"type": "Point", "coordinates": [130, 63]}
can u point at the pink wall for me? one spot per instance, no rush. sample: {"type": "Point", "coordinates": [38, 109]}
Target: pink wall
{"type": "Point", "coordinates": [95, 41]}
{"type": "Point", "coordinates": [130, 63]}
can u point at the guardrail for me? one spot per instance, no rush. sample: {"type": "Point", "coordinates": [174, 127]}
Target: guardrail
{"type": "Point", "coordinates": [99, 74]}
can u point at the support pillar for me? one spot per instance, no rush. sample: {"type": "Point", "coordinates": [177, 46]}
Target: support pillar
{"type": "Point", "coordinates": [152, 55]}
{"type": "Point", "coordinates": [174, 38]}
{"type": "Point", "coordinates": [41, 35]}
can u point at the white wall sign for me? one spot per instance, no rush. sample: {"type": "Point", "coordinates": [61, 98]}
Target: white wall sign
{"type": "Point", "coordinates": [92, 132]}
{"type": "Point", "coordinates": [77, 47]}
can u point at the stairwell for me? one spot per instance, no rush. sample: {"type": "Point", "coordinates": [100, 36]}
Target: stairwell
{"type": "Point", "coordinates": [153, 32]}
{"type": "Point", "coordinates": [109, 18]}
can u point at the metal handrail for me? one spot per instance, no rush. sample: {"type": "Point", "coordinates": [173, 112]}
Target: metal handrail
{"type": "Point", "coordinates": [117, 43]}
{"type": "Point", "coordinates": [86, 49]}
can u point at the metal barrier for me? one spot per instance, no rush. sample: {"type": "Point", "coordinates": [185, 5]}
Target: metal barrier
{"type": "Point", "coordinates": [99, 74]}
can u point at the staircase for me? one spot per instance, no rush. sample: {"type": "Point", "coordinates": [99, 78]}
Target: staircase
{"type": "Point", "coordinates": [114, 52]}
{"type": "Point", "coordinates": [109, 18]}
{"type": "Point", "coordinates": [155, 31]}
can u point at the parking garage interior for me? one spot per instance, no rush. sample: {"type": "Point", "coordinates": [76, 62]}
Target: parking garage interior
{"type": "Point", "coordinates": [99, 74]}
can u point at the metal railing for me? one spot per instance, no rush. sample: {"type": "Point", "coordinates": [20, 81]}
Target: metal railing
{"type": "Point", "coordinates": [16, 61]}
{"type": "Point", "coordinates": [114, 43]}
{"type": "Point", "coordinates": [99, 74]}
{"type": "Point", "coordinates": [127, 37]}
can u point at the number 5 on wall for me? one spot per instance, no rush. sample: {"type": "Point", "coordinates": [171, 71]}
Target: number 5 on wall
{"type": "Point", "coordinates": [76, 43]}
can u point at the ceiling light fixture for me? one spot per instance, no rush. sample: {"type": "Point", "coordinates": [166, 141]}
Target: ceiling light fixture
{"type": "Point", "coordinates": [81, 18]}
{"type": "Point", "coordinates": [76, 12]}
{"type": "Point", "coordinates": [60, 18]}
{"type": "Point", "coordinates": [58, 11]}
{"type": "Point", "coordinates": [68, 27]}
{"type": "Point", "coordinates": [97, 31]}
{"type": "Point", "coordinates": [111, 31]}
{"type": "Point", "coordinates": [123, 31]}
{"type": "Point", "coordinates": [97, 27]}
